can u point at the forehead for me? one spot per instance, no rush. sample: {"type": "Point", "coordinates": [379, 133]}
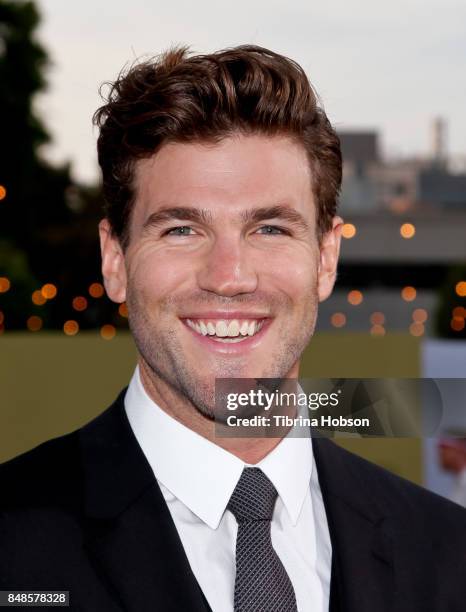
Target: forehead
{"type": "Point", "coordinates": [238, 172]}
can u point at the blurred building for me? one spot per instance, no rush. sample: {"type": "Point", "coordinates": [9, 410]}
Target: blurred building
{"type": "Point", "coordinates": [361, 158]}
{"type": "Point", "coordinates": [405, 232]}
{"type": "Point", "coordinates": [372, 182]}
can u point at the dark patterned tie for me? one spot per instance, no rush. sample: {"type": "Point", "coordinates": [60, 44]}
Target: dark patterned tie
{"type": "Point", "coordinates": [261, 583]}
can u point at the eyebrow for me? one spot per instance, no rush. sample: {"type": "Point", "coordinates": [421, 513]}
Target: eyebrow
{"type": "Point", "coordinates": [285, 213]}
{"type": "Point", "coordinates": [198, 215]}
{"type": "Point", "coordinates": [180, 213]}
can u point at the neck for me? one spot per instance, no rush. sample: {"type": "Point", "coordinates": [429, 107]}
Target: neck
{"type": "Point", "coordinates": [250, 450]}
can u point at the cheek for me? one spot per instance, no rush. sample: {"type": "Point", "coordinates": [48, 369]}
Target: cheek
{"type": "Point", "coordinates": [292, 273]}
{"type": "Point", "coordinates": [156, 276]}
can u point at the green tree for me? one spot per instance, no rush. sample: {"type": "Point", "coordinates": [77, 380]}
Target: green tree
{"type": "Point", "coordinates": [43, 215]}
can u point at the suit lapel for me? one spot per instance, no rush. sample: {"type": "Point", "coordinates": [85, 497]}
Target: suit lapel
{"type": "Point", "coordinates": [131, 536]}
{"type": "Point", "coordinates": [361, 536]}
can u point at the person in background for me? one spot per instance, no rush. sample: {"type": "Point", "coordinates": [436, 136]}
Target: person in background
{"type": "Point", "coordinates": [452, 458]}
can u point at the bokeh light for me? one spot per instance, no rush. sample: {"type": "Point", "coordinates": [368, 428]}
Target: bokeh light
{"type": "Point", "coordinates": [408, 294]}
{"type": "Point", "coordinates": [37, 298]}
{"type": "Point", "coordinates": [377, 330]}
{"type": "Point", "coordinates": [107, 332]}
{"type": "Point", "coordinates": [458, 312]}
{"type": "Point", "coordinates": [2, 192]}
{"type": "Point", "coordinates": [457, 324]}
{"type": "Point", "coordinates": [96, 290]}
{"type": "Point", "coordinates": [355, 297]}
{"type": "Point", "coordinates": [348, 230]}
{"type": "Point", "coordinates": [338, 319]}
{"type": "Point", "coordinates": [79, 303]}
{"type": "Point", "coordinates": [377, 318]}
{"type": "Point", "coordinates": [407, 230]}
{"type": "Point", "coordinates": [420, 315]}
{"type": "Point", "coordinates": [416, 329]}
{"type": "Point", "coordinates": [34, 323]}
{"type": "Point", "coordinates": [49, 291]}
{"type": "Point", "coordinates": [123, 310]}
{"type": "Point", "coordinates": [4, 284]}
{"type": "Point", "coordinates": [71, 328]}
{"type": "Point", "coordinates": [461, 288]}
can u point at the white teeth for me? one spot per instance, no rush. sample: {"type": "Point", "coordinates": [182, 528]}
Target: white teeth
{"type": "Point", "coordinates": [221, 329]}
{"type": "Point", "coordinates": [210, 329]}
{"type": "Point", "coordinates": [227, 331]}
{"type": "Point", "coordinates": [244, 328]}
{"type": "Point", "coordinates": [233, 328]}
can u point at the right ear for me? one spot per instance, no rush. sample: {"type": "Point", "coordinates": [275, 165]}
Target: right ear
{"type": "Point", "coordinates": [113, 263]}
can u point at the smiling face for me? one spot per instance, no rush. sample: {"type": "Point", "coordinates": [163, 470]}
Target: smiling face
{"type": "Point", "coordinates": [223, 271]}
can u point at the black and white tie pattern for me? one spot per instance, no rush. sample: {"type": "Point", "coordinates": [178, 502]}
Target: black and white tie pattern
{"type": "Point", "coordinates": [261, 583]}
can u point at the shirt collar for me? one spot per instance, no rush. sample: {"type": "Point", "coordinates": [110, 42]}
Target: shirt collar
{"type": "Point", "coordinates": [201, 474]}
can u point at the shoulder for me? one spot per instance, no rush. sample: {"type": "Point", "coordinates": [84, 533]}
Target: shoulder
{"type": "Point", "coordinates": [42, 474]}
{"type": "Point", "coordinates": [52, 474]}
{"type": "Point", "coordinates": [374, 489]}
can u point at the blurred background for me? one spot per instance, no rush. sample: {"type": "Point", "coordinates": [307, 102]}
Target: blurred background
{"type": "Point", "coordinates": [391, 78]}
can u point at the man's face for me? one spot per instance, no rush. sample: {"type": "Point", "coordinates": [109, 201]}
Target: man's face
{"type": "Point", "coordinates": [223, 271]}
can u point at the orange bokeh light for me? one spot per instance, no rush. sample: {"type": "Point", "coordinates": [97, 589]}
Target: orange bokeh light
{"type": "Point", "coordinates": [420, 315]}
{"type": "Point", "coordinates": [96, 290]}
{"type": "Point", "coordinates": [338, 319]}
{"type": "Point", "coordinates": [355, 297]}
{"type": "Point", "coordinates": [457, 324]}
{"type": "Point", "coordinates": [348, 230]}
{"type": "Point", "coordinates": [407, 230]}
{"type": "Point", "coordinates": [377, 318]}
{"type": "Point", "coordinates": [2, 192]}
{"type": "Point", "coordinates": [461, 288]}
{"type": "Point", "coordinates": [458, 312]}
{"type": "Point", "coordinates": [378, 330]}
{"type": "Point", "coordinates": [408, 294]}
{"type": "Point", "coordinates": [37, 298]}
{"type": "Point", "coordinates": [416, 329]}
{"type": "Point", "coordinates": [79, 303]}
{"type": "Point", "coordinates": [49, 291]}
{"type": "Point", "coordinates": [123, 310]}
{"type": "Point", "coordinates": [71, 328]}
{"type": "Point", "coordinates": [107, 332]}
{"type": "Point", "coordinates": [34, 323]}
{"type": "Point", "coordinates": [4, 284]}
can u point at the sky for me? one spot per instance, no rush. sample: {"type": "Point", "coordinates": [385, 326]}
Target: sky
{"type": "Point", "coordinates": [393, 66]}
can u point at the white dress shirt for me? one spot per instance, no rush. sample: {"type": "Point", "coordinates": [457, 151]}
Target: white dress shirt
{"type": "Point", "coordinates": [197, 479]}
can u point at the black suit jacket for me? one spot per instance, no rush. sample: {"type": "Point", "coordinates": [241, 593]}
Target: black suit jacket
{"type": "Point", "coordinates": [84, 513]}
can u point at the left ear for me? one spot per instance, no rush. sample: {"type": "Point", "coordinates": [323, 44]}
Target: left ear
{"type": "Point", "coordinates": [328, 260]}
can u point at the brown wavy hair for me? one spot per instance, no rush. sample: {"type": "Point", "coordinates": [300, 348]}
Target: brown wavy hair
{"type": "Point", "coordinates": [178, 97]}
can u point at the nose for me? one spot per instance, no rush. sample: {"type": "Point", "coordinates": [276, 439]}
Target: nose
{"type": "Point", "coordinates": [227, 270]}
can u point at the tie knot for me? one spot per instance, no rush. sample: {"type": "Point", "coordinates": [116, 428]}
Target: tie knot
{"type": "Point", "coordinates": [253, 498]}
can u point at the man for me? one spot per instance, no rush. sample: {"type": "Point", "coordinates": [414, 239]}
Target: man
{"type": "Point", "coordinates": [221, 176]}
{"type": "Point", "coordinates": [452, 458]}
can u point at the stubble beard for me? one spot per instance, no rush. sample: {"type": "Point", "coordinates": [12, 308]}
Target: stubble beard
{"type": "Point", "coordinates": [163, 353]}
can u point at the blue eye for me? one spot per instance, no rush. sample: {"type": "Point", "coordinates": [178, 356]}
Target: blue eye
{"type": "Point", "coordinates": [270, 230]}
{"type": "Point", "coordinates": [182, 230]}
